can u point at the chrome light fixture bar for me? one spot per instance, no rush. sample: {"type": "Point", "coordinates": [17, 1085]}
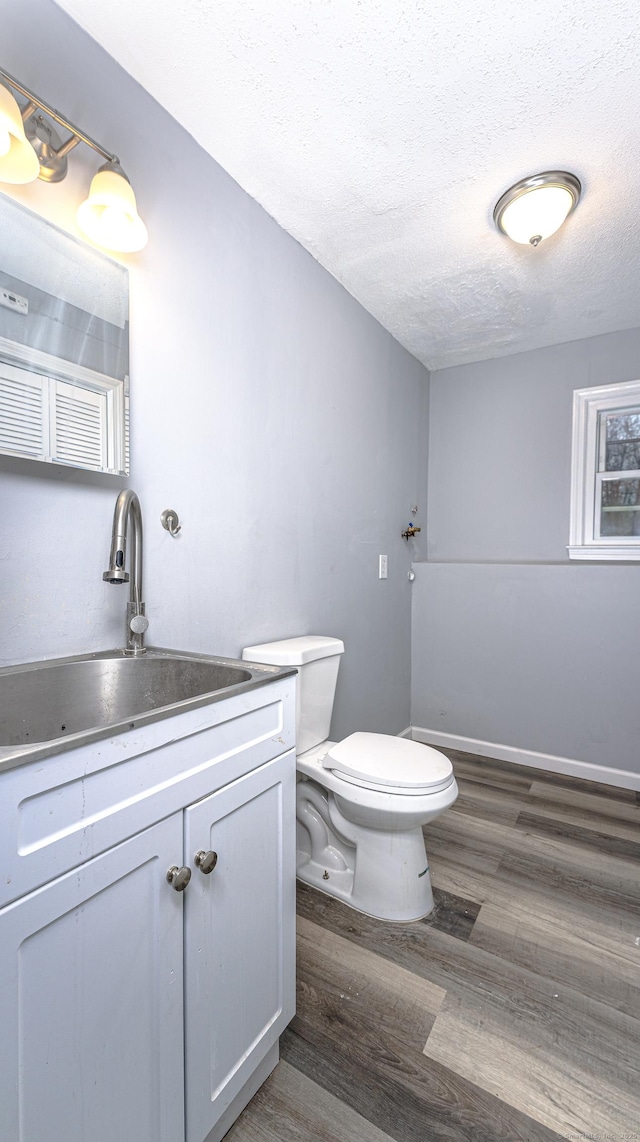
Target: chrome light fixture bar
{"type": "Point", "coordinates": [535, 207]}
{"type": "Point", "coordinates": [31, 148]}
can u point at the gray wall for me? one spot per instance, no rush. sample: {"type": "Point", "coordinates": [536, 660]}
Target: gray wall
{"type": "Point", "coordinates": [281, 421]}
{"type": "Point", "coordinates": [512, 642]}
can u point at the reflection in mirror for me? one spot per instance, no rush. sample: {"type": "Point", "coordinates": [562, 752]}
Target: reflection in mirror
{"type": "Point", "coordinates": [64, 347]}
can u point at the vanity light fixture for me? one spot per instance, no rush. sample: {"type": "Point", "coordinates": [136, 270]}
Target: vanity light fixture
{"type": "Point", "coordinates": [31, 148]}
{"type": "Point", "coordinates": [536, 207]}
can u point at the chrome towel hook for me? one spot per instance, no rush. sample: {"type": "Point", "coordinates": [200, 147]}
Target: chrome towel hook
{"type": "Point", "coordinates": [169, 520]}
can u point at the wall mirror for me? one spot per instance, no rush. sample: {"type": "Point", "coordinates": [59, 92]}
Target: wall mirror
{"type": "Point", "coordinates": [64, 347]}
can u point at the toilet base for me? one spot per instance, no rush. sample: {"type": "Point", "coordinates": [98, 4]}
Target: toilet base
{"type": "Point", "coordinates": [384, 875]}
{"type": "Point", "coordinates": [340, 885]}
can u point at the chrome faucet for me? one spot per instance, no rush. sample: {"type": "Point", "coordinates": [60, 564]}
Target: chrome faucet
{"type": "Point", "coordinates": [127, 510]}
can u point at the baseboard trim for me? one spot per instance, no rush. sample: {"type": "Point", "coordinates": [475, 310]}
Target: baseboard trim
{"type": "Point", "coordinates": [624, 778]}
{"type": "Point", "coordinates": [408, 733]}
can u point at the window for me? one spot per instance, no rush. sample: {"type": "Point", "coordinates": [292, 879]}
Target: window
{"type": "Point", "coordinates": [605, 473]}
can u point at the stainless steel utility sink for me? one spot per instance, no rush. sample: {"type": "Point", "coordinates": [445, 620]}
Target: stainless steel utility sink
{"type": "Point", "coordinates": [72, 700]}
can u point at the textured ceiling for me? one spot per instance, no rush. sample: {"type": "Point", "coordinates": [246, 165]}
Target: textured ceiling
{"type": "Point", "coordinates": [381, 132]}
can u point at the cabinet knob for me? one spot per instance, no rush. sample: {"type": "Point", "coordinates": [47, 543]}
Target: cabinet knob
{"type": "Point", "coordinates": [178, 877]}
{"type": "Point", "coordinates": [206, 861]}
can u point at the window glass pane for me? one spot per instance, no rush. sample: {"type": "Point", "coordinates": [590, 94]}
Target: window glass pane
{"type": "Point", "coordinates": [620, 507]}
{"type": "Point", "coordinates": [622, 444]}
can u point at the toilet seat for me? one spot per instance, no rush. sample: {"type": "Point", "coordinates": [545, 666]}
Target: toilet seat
{"type": "Point", "coordinates": [389, 764]}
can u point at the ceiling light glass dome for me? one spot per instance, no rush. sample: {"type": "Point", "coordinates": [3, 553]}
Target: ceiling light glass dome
{"type": "Point", "coordinates": [534, 208]}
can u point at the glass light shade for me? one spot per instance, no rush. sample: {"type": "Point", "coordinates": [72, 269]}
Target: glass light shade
{"type": "Point", "coordinates": [109, 216]}
{"type": "Point", "coordinates": [536, 207]}
{"type": "Point", "coordinates": [18, 160]}
{"type": "Point", "coordinates": [536, 214]}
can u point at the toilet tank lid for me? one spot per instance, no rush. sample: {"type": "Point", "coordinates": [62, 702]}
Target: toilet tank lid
{"type": "Point", "coordinates": [294, 651]}
{"type": "Point", "coordinates": [386, 760]}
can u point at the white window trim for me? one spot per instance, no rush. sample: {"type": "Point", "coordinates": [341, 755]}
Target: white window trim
{"type": "Point", "coordinates": [587, 406]}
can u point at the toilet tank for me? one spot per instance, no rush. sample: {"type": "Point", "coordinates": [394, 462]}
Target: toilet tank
{"type": "Point", "coordinates": [317, 659]}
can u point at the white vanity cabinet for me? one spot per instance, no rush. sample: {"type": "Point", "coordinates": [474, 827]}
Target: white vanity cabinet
{"type": "Point", "coordinates": [130, 1010]}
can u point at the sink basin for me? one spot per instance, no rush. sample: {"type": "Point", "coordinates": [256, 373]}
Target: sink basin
{"type": "Point", "coordinates": [85, 696]}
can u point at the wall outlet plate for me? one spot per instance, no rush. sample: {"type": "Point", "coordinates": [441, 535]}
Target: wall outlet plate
{"type": "Point", "coordinates": [382, 567]}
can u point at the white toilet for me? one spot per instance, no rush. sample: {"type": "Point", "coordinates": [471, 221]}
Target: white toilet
{"type": "Point", "coordinates": [361, 802]}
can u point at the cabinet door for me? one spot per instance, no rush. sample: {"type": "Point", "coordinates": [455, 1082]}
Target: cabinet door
{"type": "Point", "coordinates": [91, 1003]}
{"type": "Point", "coordinates": [239, 936]}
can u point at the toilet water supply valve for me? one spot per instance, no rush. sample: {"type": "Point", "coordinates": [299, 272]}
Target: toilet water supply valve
{"type": "Point", "coordinates": [411, 529]}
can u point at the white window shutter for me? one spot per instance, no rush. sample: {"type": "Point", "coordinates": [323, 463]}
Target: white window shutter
{"type": "Point", "coordinates": [60, 412]}
{"type": "Point", "coordinates": [24, 417]}
{"type": "Point", "coordinates": [78, 426]}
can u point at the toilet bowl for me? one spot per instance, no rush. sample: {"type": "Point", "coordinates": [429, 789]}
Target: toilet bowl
{"type": "Point", "coordinates": [361, 803]}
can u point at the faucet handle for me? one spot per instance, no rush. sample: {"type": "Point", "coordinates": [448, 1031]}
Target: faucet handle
{"type": "Point", "coordinates": [138, 624]}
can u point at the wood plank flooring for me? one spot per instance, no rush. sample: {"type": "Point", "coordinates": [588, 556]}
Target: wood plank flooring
{"type": "Point", "coordinates": [510, 1014]}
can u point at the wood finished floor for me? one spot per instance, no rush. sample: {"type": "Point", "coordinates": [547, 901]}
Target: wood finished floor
{"type": "Point", "coordinates": [511, 1014]}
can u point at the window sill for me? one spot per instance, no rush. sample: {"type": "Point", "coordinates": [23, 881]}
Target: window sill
{"type": "Point", "coordinates": [628, 554]}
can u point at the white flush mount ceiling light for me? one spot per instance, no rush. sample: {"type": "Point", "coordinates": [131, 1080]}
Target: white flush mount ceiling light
{"type": "Point", "coordinates": [536, 207]}
{"type": "Point", "coordinates": [30, 148]}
